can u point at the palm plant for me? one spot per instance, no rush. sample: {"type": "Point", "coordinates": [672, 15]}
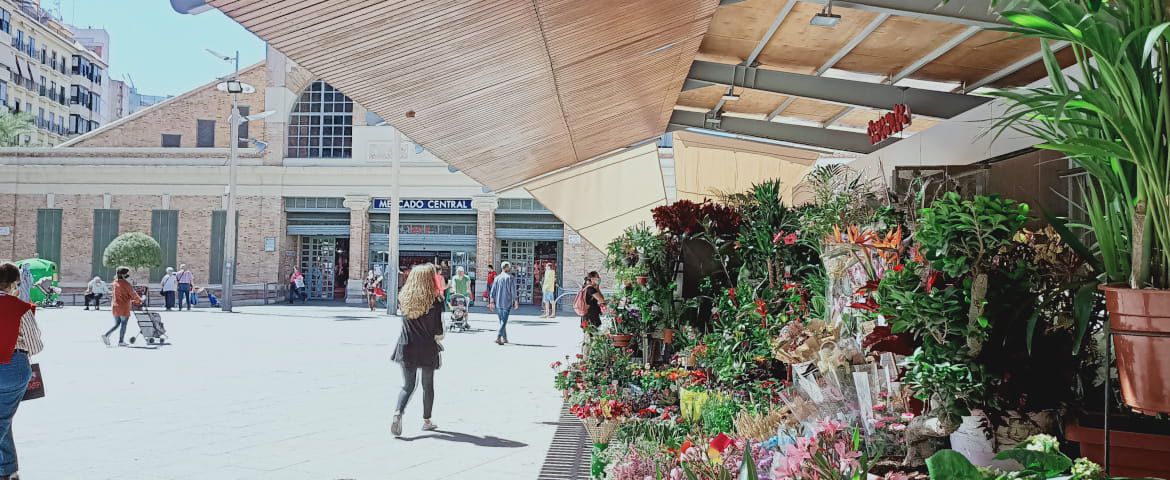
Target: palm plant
{"type": "Point", "coordinates": [12, 126]}
{"type": "Point", "coordinates": [1112, 120]}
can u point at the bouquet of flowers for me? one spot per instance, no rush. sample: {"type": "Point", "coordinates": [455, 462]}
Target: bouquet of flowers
{"type": "Point", "coordinates": [800, 343]}
{"type": "Point", "coordinates": [832, 452]}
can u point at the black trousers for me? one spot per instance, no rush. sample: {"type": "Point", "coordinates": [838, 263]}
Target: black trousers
{"type": "Point", "coordinates": [410, 381]}
{"type": "Point", "coordinates": [96, 298]}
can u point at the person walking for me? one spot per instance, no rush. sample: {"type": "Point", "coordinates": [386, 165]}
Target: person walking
{"type": "Point", "coordinates": [418, 345]}
{"type": "Point", "coordinates": [124, 298]}
{"type": "Point", "coordinates": [548, 292]}
{"type": "Point", "coordinates": [169, 287]}
{"type": "Point", "coordinates": [372, 287]}
{"type": "Point", "coordinates": [503, 299]}
{"type": "Point", "coordinates": [460, 284]}
{"type": "Point", "coordinates": [20, 338]}
{"type": "Point", "coordinates": [95, 290]}
{"type": "Point", "coordinates": [296, 286]}
{"type": "Point", "coordinates": [593, 300]}
{"type": "Point", "coordinates": [186, 280]}
{"type": "Point", "coordinates": [491, 277]}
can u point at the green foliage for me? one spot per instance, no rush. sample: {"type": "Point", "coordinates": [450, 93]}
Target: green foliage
{"type": "Point", "coordinates": [958, 236]}
{"type": "Point", "coordinates": [1113, 121]}
{"type": "Point", "coordinates": [12, 126]}
{"type": "Point", "coordinates": [718, 415]}
{"type": "Point", "coordinates": [134, 250]}
{"type": "Point", "coordinates": [1039, 455]}
{"type": "Point", "coordinates": [839, 197]}
{"type": "Point", "coordinates": [957, 387]}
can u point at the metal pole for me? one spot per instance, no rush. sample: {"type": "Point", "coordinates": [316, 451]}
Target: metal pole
{"type": "Point", "coordinates": [395, 200]}
{"type": "Point", "coordinates": [229, 243]}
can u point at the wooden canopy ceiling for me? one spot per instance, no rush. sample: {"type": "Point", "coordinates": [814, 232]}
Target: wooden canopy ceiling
{"type": "Point", "coordinates": [874, 42]}
{"type": "Point", "coordinates": [504, 90]}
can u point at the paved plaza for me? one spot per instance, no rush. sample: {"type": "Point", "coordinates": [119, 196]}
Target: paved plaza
{"type": "Point", "coordinates": [288, 393]}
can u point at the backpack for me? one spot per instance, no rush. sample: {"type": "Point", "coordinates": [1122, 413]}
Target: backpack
{"type": "Point", "coordinates": [579, 304]}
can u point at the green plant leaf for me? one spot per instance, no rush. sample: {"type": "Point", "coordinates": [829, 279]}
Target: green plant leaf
{"type": "Point", "coordinates": [1152, 39]}
{"type": "Point", "coordinates": [1083, 302]}
{"type": "Point", "coordinates": [1048, 463]}
{"type": "Point", "coordinates": [952, 465]}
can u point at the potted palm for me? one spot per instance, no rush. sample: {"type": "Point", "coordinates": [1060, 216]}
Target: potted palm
{"type": "Point", "coordinates": [1113, 120]}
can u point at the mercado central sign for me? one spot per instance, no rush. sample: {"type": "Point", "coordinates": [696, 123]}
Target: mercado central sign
{"type": "Point", "coordinates": [425, 204]}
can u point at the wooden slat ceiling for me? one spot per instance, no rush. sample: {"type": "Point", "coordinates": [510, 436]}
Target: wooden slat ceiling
{"type": "Point", "coordinates": [505, 90]}
{"type": "Point", "coordinates": [895, 45]}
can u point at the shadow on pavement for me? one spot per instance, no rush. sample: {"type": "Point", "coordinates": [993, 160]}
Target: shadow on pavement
{"type": "Point", "coordinates": [530, 345]}
{"type": "Point", "coordinates": [486, 441]}
{"type": "Point", "coordinates": [351, 319]}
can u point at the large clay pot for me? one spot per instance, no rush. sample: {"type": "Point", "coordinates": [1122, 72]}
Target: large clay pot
{"type": "Point", "coordinates": [1140, 320]}
{"type": "Point", "coordinates": [621, 340]}
{"type": "Point", "coordinates": [668, 336]}
{"type": "Point", "coordinates": [1130, 454]}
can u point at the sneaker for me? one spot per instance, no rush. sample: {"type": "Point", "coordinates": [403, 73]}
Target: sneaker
{"type": "Point", "coordinates": [499, 341]}
{"type": "Point", "coordinates": [396, 427]}
{"type": "Point", "coordinates": [429, 426]}
{"type": "Point", "coordinates": [106, 340]}
{"type": "Point", "coordinates": [87, 309]}
{"type": "Point", "coordinates": [123, 344]}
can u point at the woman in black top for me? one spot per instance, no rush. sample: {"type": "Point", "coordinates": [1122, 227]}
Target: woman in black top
{"type": "Point", "coordinates": [593, 299]}
{"type": "Point", "coordinates": [418, 345]}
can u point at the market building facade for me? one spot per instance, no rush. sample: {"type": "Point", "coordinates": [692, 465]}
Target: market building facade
{"type": "Point", "coordinates": [315, 197]}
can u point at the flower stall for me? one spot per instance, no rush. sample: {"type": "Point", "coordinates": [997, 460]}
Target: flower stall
{"type": "Point", "coordinates": [864, 334]}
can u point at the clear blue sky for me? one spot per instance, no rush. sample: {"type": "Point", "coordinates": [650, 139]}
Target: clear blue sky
{"type": "Point", "coordinates": [161, 50]}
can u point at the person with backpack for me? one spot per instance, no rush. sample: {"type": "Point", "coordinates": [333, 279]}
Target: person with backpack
{"type": "Point", "coordinates": [589, 300]}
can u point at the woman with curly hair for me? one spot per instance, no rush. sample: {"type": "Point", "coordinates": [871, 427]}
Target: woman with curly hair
{"type": "Point", "coordinates": [421, 300]}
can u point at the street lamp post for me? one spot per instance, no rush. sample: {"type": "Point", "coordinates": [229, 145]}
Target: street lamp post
{"type": "Point", "coordinates": [395, 206]}
{"type": "Point", "coordinates": [234, 87]}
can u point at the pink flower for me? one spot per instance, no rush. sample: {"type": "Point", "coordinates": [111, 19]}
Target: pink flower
{"type": "Point", "coordinates": [897, 427]}
{"type": "Point", "coordinates": [790, 239]}
{"type": "Point", "coordinates": [879, 407]}
{"type": "Point", "coordinates": [907, 416]}
{"type": "Point", "coordinates": [880, 424]}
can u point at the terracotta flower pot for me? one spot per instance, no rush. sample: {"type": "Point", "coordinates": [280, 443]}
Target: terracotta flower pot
{"type": "Point", "coordinates": [668, 336]}
{"type": "Point", "coordinates": [620, 340]}
{"type": "Point", "coordinates": [1140, 320]}
{"type": "Point", "coordinates": [1130, 454]}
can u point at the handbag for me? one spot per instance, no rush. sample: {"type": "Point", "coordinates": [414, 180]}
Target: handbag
{"type": "Point", "coordinates": [36, 384]}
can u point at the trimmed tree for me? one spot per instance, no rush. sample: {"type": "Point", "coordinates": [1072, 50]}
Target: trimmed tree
{"type": "Point", "coordinates": [135, 250]}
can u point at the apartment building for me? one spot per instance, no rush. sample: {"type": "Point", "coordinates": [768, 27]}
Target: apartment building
{"type": "Point", "coordinates": [51, 75]}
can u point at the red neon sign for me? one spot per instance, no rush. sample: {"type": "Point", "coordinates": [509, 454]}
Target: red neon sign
{"type": "Point", "coordinates": [889, 124]}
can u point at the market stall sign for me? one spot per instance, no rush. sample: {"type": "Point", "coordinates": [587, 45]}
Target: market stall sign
{"type": "Point", "coordinates": [889, 124]}
{"type": "Point", "coordinates": [425, 204]}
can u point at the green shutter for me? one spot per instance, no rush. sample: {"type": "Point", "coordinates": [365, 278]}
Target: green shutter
{"type": "Point", "coordinates": [164, 227]}
{"type": "Point", "coordinates": [218, 225]}
{"type": "Point", "coordinates": [49, 235]}
{"type": "Point", "coordinates": [105, 230]}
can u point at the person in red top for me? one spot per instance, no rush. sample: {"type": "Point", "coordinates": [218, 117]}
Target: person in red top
{"type": "Point", "coordinates": [124, 299]}
{"type": "Point", "coordinates": [20, 338]}
{"type": "Point", "coordinates": [490, 278]}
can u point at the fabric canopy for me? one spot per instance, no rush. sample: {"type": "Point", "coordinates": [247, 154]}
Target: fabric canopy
{"type": "Point", "coordinates": [707, 166]}
{"type": "Point", "coordinates": [602, 198]}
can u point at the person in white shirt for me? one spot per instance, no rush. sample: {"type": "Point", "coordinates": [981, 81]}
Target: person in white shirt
{"type": "Point", "coordinates": [94, 291]}
{"type": "Point", "coordinates": [169, 287]}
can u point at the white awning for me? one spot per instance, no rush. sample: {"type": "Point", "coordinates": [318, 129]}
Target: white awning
{"type": "Point", "coordinates": [707, 166]}
{"type": "Point", "coordinates": [602, 198]}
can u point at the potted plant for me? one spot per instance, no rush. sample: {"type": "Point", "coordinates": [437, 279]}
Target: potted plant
{"type": "Point", "coordinates": [1112, 122]}
{"type": "Point", "coordinates": [135, 250]}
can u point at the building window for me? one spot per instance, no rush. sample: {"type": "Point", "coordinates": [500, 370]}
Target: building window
{"type": "Point", "coordinates": [42, 89]}
{"type": "Point", "coordinates": [164, 228]}
{"type": "Point", "coordinates": [5, 21]}
{"type": "Point", "coordinates": [32, 47]}
{"type": "Point", "coordinates": [18, 40]}
{"type": "Point", "coordinates": [53, 62]}
{"type": "Point", "coordinates": [171, 140]}
{"type": "Point", "coordinates": [242, 131]}
{"type": "Point", "coordinates": [41, 117]}
{"type": "Point", "coordinates": [105, 229]}
{"type": "Point", "coordinates": [204, 133]}
{"type": "Point", "coordinates": [49, 234]}
{"type": "Point", "coordinates": [4, 92]}
{"type": "Point", "coordinates": [321, 124]}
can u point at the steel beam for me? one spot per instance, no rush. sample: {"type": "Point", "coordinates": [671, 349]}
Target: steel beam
{"type": "Point", "coordinates": [1010, 69]}
{"type": "Point", "coordinates": [917, 65]}
{"type": "Point", "coordinates": [797, 134]}
{"type": "Point", "coordinates": [976, 13]}
{"type": "Point", "coordinates": [751, 59]}
{"type": "Point", "coordinates": [841, 53]}
{"type": "Point", "coordinates": [848, 92]}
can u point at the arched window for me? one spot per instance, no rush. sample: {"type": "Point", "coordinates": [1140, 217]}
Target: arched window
{"type": "Point", "coordinates": [321, 124]}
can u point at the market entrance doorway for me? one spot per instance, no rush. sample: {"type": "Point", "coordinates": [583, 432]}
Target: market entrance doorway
{"type": "Point", "coordinates": [325, 264]}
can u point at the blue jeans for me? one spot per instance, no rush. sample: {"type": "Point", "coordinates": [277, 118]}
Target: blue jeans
{"type": "Point", "coordinates": [14, 377]}
{"type": "Point", "coordinates": [119, 321]}
{"type": "Point", "coordinates": [503, 314]}
{"type": "Point", "coordinates": [184, 295]}
{"type": "Point", "coordinates": [410, 381]}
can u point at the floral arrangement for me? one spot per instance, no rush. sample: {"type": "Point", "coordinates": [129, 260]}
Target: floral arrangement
{"type": "Point", "coordinates": [832, 452]}
{"type": "Point", "coordinates": [800, 343]}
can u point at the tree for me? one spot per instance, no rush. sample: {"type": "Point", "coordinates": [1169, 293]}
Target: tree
{"type": "Point", "coordinates": [12, 126]}
{"type": "Point", "coordinates": [135, 250]}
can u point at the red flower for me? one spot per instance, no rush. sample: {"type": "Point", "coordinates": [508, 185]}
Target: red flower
{"type": "Point", "coordinates": [778, 237]}
{"type": "Point", "coordinates": [790, 239]}
{"type": "Point", "coordinates": [721, 442]}
{"type": "Point", "coordinates": [761, 307]}
{"type": "Point", "coordinates": [898, 268]}
{"type": "Point", "coordinates": [617, 320]}
{"type": "Point", "coordinates": [686, 445]}
{"type": "Point", "coordinates": [731, 293]}
{"type": "Point", "coordinates": [934, 277]}
{"type": "Point", "coordinates": [870, 305]}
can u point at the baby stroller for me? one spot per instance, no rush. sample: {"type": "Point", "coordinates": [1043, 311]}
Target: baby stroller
{"type": "Point", "coordinates": [459, 320]}
{"type": "Point", "coordinates": [151, 327]}
{"type": "Point", "coordinates": [50, 295]}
